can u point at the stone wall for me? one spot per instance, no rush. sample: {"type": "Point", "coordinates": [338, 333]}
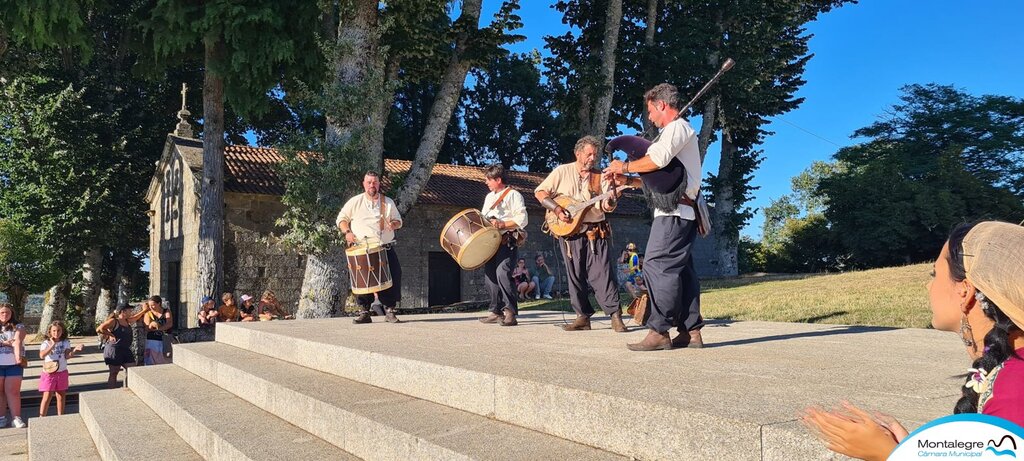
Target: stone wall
{"type": "Point", "coordinates": [253, 262]}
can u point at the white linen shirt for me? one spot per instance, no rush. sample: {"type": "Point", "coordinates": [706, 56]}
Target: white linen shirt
{"type": "Point", "coordinates": [363, 216]}
{"type": "Point", "coordinates": [678, 140]}
{"type": "Point", "coordinates": [512, 208]}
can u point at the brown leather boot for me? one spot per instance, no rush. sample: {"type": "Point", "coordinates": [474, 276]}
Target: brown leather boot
{"type": "Point", "coordinates": [364, 317]}
{"type": "Point", "coordinates": [510, 319]}
{"type": "Point", "coordinates": [390, 317]}
{"type": "Point", "coordinates": [581, 323]}
{"type": "Point", "coordinates": [652, 342]}
{"type": "Point", "coordinates": [691, 339]}
{"type": "Point", "coordinates": [617, 324]}
{"type": "Point", "coordinates": [491, 318]}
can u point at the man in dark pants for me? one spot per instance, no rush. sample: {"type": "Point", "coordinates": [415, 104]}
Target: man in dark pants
{"type": "Point", "coordinates": [505, 208]}
{"type": "Point", "coordinates": [673, 287]}
{"type": "Point", "coordinates": [586, 254]}
{"type": "Point", "coordinates": [373, 216]}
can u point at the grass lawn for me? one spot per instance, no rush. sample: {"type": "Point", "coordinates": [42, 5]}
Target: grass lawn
{"type": "Point", "coordinates": [893, 297]}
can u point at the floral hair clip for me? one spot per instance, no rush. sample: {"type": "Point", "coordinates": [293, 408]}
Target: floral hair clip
{"type": "Point", "coordinates": [976, 381]}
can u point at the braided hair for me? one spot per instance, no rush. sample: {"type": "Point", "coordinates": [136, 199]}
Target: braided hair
{"type": "Point", "coordinates": [997, 342]}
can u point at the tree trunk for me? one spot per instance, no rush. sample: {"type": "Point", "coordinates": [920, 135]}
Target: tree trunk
{"type": "Point", "coordinates": [323, 284]}
{"type": "Point", "coordinates": [603, 104]}
{"type": "Point", "coordinates": [54, 305]}
{"type": "Point", "coordinates": [440, 111]}
{"type": "Point", "coordinates": [726, 235]}
{"type": "Point", "coordinates": [91, 284]}
{"type": "Point", "coordinates": [649, 28]}
{"type": "Point", "coordinates": [357, 68]}
{"type": "Point", "coordinates": [17, 295]}
{"type": "Point", "coordinates": [211, 222]}
{"type": "Point", "coordinates": [379, 116]}
{"type": "Point", "coordinates": [104, 305]}
{"type": "Point", "coordinates": [122, 285]}
{"type": "Point", "coordinates": [707, 127]}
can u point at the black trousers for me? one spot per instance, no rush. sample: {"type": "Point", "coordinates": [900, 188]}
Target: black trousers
{"type": "Point", "coordinates": [673, 288]}
{"type": "Point", "coordinates": [498, 279]}
{"type": "Point", "coordinates": [390, 297]}
{"type": "Point", "coordinates": [590, 266]}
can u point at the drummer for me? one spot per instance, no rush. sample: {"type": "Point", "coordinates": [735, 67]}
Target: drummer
{"type": "Point", "coordinates": [505, 208]}
{"type": "Point", "coordinates": [372, 217]}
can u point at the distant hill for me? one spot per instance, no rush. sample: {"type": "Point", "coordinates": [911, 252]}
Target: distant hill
{"type": "Point", "coordinates": [893, 296]}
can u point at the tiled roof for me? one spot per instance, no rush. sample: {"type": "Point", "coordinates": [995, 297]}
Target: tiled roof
{"type": "Point", "coordinates": [252, 170]}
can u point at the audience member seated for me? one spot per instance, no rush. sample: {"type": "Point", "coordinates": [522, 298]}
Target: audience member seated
{"type": "Point", "coordinates": [248, 310]}
{"type": "Point", "coordinates": [543, 278]}
{"type": "Point", "coordinates": [208, 313]}
{"type": "Point", "coordinates": [522, 279]}
{"type": "Point", "coordinates": [270, 308]}
{"type": "Point", "coordinates": [229, 310]}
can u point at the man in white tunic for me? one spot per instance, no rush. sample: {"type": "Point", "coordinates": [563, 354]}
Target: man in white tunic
{"type": "Point", "coordinates": [505, 209]}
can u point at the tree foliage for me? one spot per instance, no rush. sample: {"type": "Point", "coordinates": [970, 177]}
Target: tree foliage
{"type": "Point", "coordinates": [941, 157]}
{"type": "Point", "coordinates": [509, 118]}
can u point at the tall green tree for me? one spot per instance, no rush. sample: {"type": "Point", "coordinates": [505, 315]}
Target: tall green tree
{"type": "Point", "coordinates": [26, 266]}
{"type": "Point", "coordinates": [509, 117]}
{"type": "Point", "coordinates": [942, 157]}
{"type": "Point", "coordinates": [248, 48]}
{"type": "Point", "coordinates": [584, 60]}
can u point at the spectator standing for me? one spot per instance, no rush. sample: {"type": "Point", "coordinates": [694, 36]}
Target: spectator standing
{"type": "Point", "coordinates": [12, 365]}
{"type": "Point", "coordinates": [158, 320]}
{"type": "Point", "coordinates": [55, 351]}
{"type": "Point", "coordinates": [116, 331]}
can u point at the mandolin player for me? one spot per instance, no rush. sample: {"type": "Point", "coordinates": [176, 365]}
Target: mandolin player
{"type": "Point", "coordinates": [586, 251]}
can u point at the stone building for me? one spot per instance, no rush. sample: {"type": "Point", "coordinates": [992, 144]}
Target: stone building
{"type": "Point", "coordinates": [253, 263]}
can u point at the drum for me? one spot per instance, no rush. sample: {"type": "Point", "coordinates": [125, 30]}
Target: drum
{"type": "Point", "coordinates": [368, 269]}
{"type": "Point", "coordinates": [470, 239]}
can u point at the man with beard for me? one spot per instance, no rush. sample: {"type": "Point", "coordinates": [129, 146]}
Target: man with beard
{"type": "Point", "coordinates": [372, 216]}
{"type": "Point", "coordinates": [586, 253]}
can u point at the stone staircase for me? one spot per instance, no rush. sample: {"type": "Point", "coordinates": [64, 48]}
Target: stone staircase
{"type": "Point", "coordinates": [445, 387]}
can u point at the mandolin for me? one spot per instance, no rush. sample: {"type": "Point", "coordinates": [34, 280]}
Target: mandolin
{"type": "Point", "coordinates": [576, 210]}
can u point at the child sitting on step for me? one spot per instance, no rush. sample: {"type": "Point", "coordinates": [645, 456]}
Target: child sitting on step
{"type": "Point", "coordinates": [55, 352]}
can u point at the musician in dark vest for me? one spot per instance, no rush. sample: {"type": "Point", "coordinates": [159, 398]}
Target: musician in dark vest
{"type": "Point", "coordinates": [505, 208]}
{"type": "Point", "coordinates": [587, 252]}
{"type": "Point", "coordinates": [373, 216]}
{"type": "Point", "coordinates": [670, 170]}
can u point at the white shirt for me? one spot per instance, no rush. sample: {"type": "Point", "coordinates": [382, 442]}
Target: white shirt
{"type": "Point", "coordinates": [7, 352]}
{"type": "Point", "coordinates": [678, 140]}
{"type": "Point", "coordinates": [363, 215]}
{"type": "Point", "coordinates": [512, 208]}
{"type": "Point", "coordinates": [57, 354]}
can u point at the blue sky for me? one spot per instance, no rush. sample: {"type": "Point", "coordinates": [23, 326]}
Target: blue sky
{"type": "Point", "coordinates": [863, 54]}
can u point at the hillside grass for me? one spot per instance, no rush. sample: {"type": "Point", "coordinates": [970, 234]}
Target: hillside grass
{"type": "Point", "coordinates": [890, 297]}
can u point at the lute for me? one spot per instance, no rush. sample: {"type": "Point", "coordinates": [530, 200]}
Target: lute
{"type": "Point", "coordinates": [576, 210]}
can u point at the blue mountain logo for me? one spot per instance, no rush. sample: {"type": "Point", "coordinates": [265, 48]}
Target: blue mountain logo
{"type": "Point", "coordinates": [992, 445]}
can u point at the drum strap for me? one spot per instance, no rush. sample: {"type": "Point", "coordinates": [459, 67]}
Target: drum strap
{"type": "Point", "coordinates": [500, 198]}
{"type": "Point", "coordinates": [383, 212]}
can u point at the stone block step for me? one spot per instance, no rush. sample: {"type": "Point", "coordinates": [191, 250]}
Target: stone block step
{"type": "Point", "coordinates": [735, 399]}
{"type": "Point", "coordinates": [60, 437]}
{"type": "Point", "coordinates": [367, 421]}
{"type": "Point", "coordinates": [124, 428]}
{"type": "Point", "coordinates": [220, 426]}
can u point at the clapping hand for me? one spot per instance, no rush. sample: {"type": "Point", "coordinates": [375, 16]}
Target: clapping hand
{"type": "Point", "coordinates": [853, 432]}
